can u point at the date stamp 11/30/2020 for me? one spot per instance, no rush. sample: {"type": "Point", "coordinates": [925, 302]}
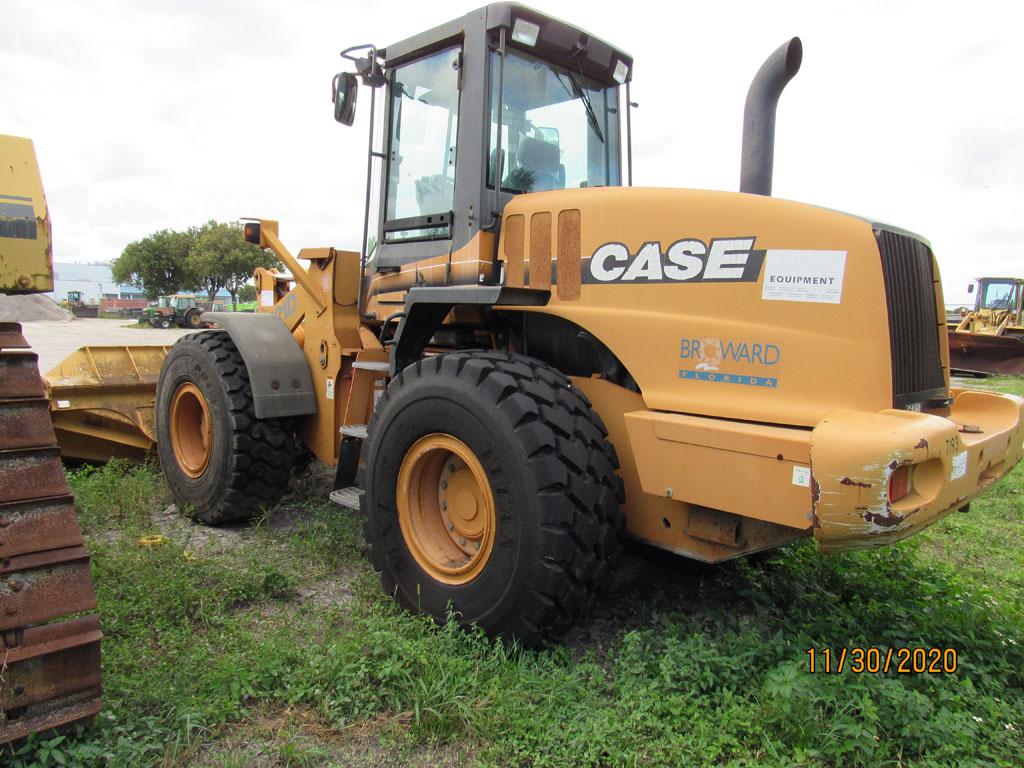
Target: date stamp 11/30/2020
{"type": "Point", "coordinates": [876, 660]}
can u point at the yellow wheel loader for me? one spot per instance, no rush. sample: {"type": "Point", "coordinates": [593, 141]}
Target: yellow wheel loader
{"type": "Point", "coordinates": [990, 339]}
{"type": "Point", "coordinates": [49, 663]}
{"type": "Point", "coordinates": [530, 358]}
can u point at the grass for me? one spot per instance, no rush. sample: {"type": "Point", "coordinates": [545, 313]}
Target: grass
{"type": "Point", "coordinates": [270, 644]}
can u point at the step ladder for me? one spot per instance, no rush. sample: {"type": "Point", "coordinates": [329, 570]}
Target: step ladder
{"type": "Point", "coordinates": [347, 497]}
{"type": "Point", "coordinates": [365, 374]}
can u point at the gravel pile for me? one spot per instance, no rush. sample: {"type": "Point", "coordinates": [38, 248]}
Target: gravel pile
{"type": "Point", "coordinates": [33, 306]}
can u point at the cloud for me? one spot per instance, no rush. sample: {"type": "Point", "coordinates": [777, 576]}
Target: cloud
{"type": "Point", "coordinates": [165, 114]}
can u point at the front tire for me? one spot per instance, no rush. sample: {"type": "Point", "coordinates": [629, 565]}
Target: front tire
{"type": "Point", "coordinates": [530, 536]}
{"type": "Point", "coordinates": [222, 463]}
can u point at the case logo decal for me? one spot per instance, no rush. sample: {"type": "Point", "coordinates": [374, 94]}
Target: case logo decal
{"type": "Point", "coordinates": [730, 259]}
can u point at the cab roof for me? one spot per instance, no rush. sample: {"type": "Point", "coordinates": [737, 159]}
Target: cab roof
{"type": "Point", "coordinates": [558, 41]}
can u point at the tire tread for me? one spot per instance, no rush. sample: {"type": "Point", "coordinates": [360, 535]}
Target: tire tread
{"type": "Point", "coordinates": [262, 450]}
{"type": "Point", "coordinates": [572, 467]}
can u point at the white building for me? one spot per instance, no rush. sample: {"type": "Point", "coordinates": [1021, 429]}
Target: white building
{"type": "Point", "coordinates": [95, 281]}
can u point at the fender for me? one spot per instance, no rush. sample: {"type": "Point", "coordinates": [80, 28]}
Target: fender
{"type": "Point", "coordinates": [427, 307]}
{"type": "Point", "coordinates": [281, 382]}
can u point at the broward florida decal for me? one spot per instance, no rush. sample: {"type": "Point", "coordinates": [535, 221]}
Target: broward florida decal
{"type": "Point", "coordinates": [705, 357]}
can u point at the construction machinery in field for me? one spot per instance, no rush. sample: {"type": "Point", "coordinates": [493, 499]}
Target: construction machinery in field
{"type": "Point", "coordinates": [75, 304]}
{"type": "Point", "coordinates": [180, 310]}
{"type": "Point", "coordinates": [529, 358]}
{"type": "Point", "coordinates": [50, 674]}
{"type": "Point", "coordinates": [990, 338]}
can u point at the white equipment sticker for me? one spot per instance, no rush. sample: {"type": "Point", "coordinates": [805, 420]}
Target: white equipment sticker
{"type": "Point", "coordinates": [959, 466]}
{"type": "Point", "coordinates": [810, 276]}
{"type": "Point", "coordinates": [63, 403]}
{"type": "Point", "coordinates": [266, 298]}
{"type": "Point", "coordinates": [802, 476]}
{"type": "Point", "coordinates": [330, 388]}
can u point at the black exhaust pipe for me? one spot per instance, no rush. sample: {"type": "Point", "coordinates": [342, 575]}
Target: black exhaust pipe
{"type": "Point", "coordinates": [759, 116]}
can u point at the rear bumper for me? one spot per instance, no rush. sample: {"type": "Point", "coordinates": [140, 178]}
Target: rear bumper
{"type": "Point", "coordinates": [854, 453]}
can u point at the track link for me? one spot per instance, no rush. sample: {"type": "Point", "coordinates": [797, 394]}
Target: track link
{"type": "Point", "coordinates": [49, 650]}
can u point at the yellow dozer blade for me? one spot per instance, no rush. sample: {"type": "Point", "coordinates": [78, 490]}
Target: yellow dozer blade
{"type": "Point", "coordinates": [101, 402]}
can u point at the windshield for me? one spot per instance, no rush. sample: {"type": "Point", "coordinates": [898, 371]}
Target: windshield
{"type": "Point", "coordinates": [997, 296]}
{"type": "Point", "coordinates": [560, 130]}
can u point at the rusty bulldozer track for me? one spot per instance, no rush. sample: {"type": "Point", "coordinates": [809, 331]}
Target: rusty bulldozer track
{"type": "Point", "coordinates": [49, 643]}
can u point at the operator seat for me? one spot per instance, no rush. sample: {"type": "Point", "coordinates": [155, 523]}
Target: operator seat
{"type": "Point", "coordinates": [541, 159]}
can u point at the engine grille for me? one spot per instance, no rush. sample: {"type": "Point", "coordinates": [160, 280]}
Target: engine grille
{"type": "Point", "coordinates": [907, 267]}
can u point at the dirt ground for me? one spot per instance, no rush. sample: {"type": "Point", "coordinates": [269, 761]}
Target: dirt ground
{"type": "Point", "coordinates": [55, 340]}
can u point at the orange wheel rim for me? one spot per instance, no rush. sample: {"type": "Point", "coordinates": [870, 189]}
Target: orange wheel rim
{"type": "Point", "coordinates": [446, 508]}
{"type": "Point", "coordinates": [191, 430]}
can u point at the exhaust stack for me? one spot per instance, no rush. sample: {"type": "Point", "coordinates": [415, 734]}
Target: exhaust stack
{"type": "Point", "coordinates": [759, 116]}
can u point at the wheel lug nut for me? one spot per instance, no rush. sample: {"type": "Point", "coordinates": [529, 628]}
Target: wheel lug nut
{"type": "Point", "coordinates": [444, 505]}
{"type": "Point", "coordinates": [462, 541]}
{"type": "Point", "coordinates": [451, 526]}
{"type": "Point", "coordinates": [451, 467]}
{"type": "Point", "coordinates": [444, 483]}
{"type": "Point", "coordinates": [477, 545]}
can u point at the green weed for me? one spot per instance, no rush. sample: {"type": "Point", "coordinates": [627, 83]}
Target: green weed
{"type": "Point", "coordinates": [705, 666]}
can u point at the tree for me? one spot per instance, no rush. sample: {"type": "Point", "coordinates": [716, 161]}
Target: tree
{"type": "Point", "coordinates": [224, 259]}
{"type": "Point", "coordinates": [203, 258]}
{"type": "Point", "coordinates": [157, 264]}
{"type": "Point", "coordinates": [247, 293]}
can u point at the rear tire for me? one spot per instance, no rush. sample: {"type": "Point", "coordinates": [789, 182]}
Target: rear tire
{"type": "Point", "coordinates": [222, 463]}
{"type": "Point", "coordinates": [550, 473]}
{"type": "Point", "coordinates": [193, 319]}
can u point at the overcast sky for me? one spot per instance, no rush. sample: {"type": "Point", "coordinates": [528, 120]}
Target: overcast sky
{"type": "Point", "coordinates": [165, 114]}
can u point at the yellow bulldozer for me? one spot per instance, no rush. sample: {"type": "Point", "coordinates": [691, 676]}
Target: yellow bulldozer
{"type": "Point", "coordinates": [990, 338]}
{"type": "Point", "coordinates": [49, 663]}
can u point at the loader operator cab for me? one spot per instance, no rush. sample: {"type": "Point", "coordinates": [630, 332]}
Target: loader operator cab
{"type": "Point", "coordinates": [545, 92]}
{"type": "Point", "coordinates": [999, 294]}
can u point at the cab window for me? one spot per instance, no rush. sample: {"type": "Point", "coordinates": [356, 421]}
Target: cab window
{"type": "Point", "coordinates": [997, 296]}
{"type": "Point", "coordinates": [424, 130]}
{"type": "Point", "coordinates": [560, 130]}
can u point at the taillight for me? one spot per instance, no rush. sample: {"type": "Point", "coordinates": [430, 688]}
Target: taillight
{"type": "Point", "coordinates": [899, 483]}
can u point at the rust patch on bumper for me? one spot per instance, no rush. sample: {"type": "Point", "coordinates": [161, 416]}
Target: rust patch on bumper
{"type": "Point", "coordinates": [886, 520]}
{"type": "Point", "coordinates": [853, 456]}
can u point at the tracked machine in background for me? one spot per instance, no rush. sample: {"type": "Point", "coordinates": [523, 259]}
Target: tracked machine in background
{"type": "Point", "coordinates": [990, 338]}
{"type": "Point", "coordinates": [78, 307]}
{"type": "Point", "coordinates": [50, 663]}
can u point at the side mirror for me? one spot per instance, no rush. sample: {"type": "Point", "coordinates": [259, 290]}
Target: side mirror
{"type": "Point", "coordinates": [344, 88]}
{"type": "Point", "coordinates": [970, 288]}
